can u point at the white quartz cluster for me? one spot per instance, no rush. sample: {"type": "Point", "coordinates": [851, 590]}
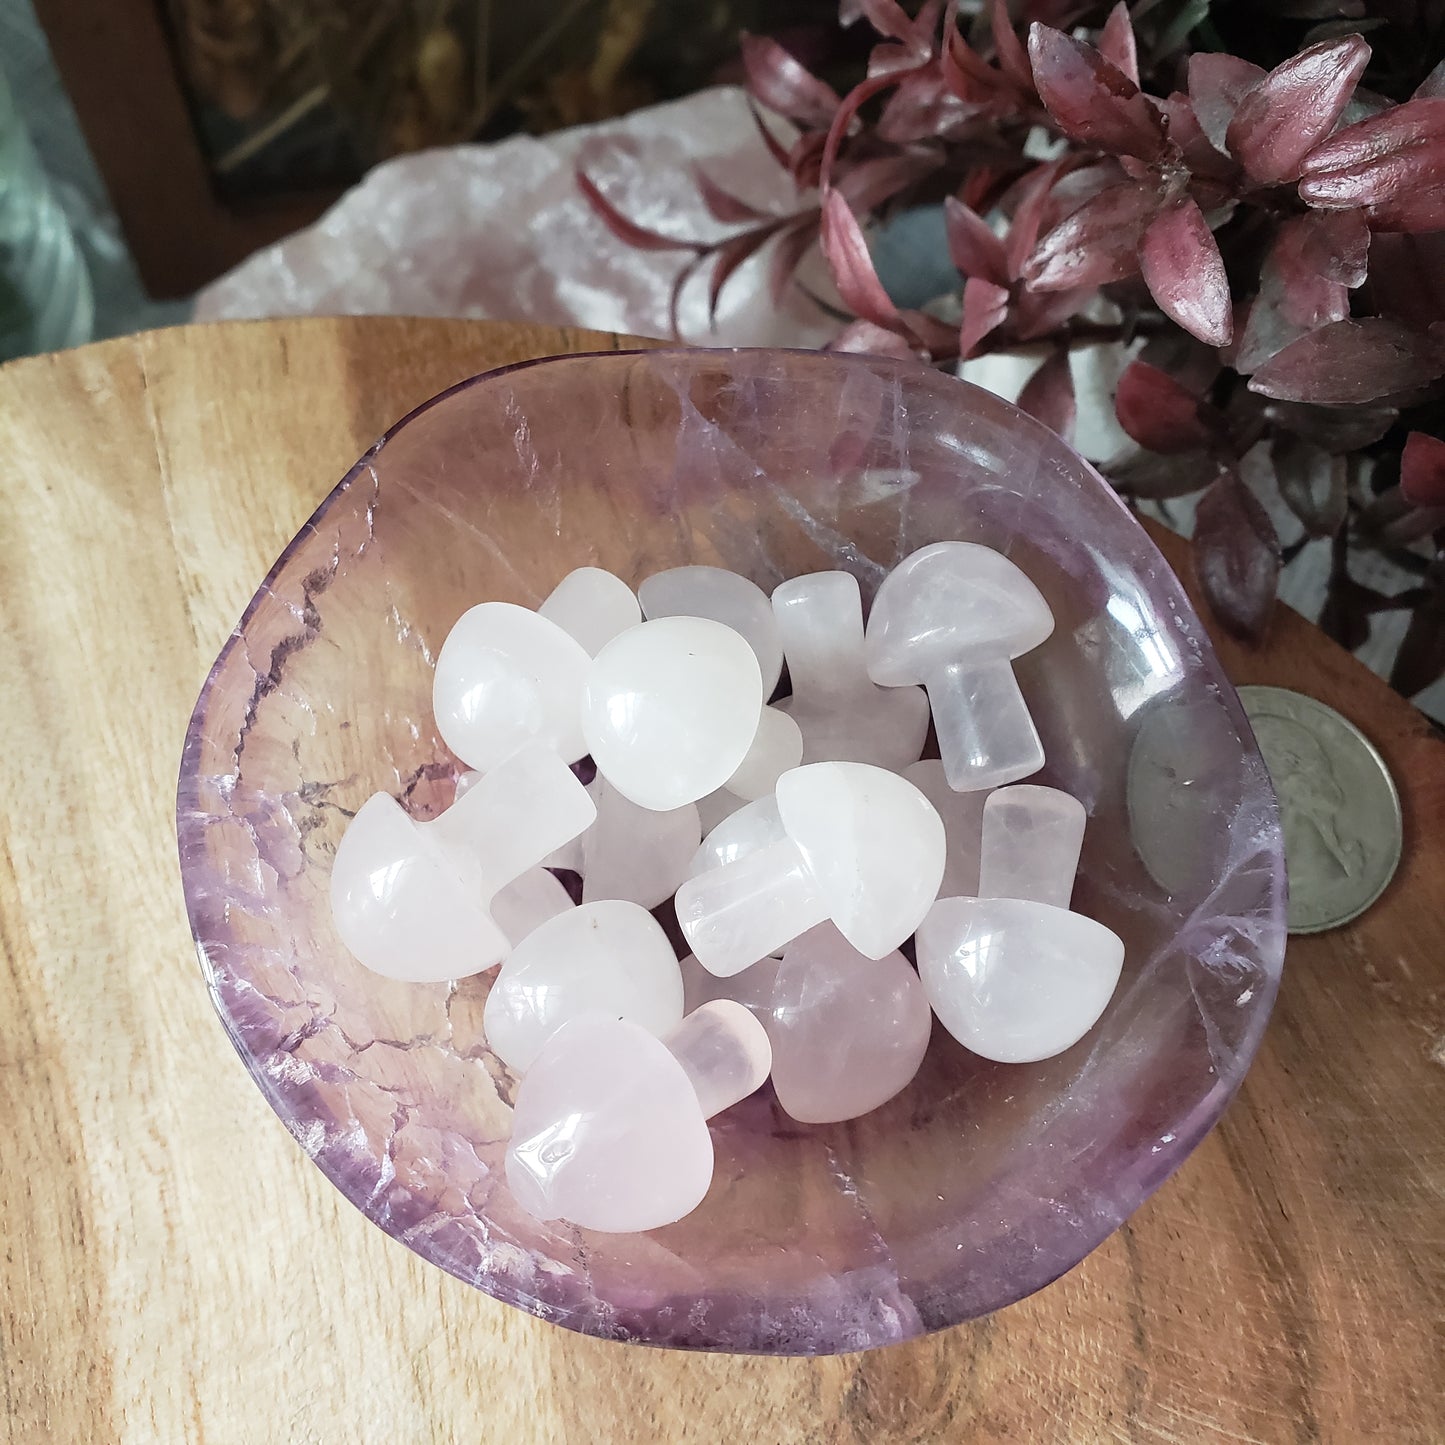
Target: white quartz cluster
{"type": "Point", "coordinates": [801, 842]}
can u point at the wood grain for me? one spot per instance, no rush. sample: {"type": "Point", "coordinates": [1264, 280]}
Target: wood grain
{"type": "Point", "coordinates": [175, 1270]}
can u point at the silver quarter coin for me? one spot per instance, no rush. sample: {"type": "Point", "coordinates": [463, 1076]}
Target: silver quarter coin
{"type": "Point", "coordinates": [1338, 807]}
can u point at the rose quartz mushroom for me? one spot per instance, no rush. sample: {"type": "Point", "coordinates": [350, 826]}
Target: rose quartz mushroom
{"type": "Point", "coordinates": [953, 616]}
{"type": "Point", "coordinates": [414, 900]}
{"type": "Point", "coordinates": [864, 847]}
{"type": "Point", "coordinates": [610, 1126]}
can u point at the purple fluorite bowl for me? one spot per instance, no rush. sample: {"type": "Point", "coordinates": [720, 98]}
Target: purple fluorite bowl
{"type": "Point", "coordinates": [978, 1184]}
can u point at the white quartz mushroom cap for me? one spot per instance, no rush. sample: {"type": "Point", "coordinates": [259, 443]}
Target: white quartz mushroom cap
{"type": "Point", "coordinates": [873, 843]}
{"type": "Point", "coordinates": [1013, 980]}
{"type": "Point", "coordinates": [723, 596]}
{"type": "Point", "coordinates": [505, 676]}
{"type": "Point", "coordinates": [607, 1132]}
{"type": "Point", "coordinates": [610, 1130]}
{"type": "Point", "coordinates": [670, 709]}
{"type": "Point", "coordinates": [610, 957]}
{"type": "Point", "coordinates": [592, 606]}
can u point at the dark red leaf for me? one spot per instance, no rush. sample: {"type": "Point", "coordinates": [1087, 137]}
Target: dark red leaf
{"type": "Point", "coordinates": [1351, 361]}
{"type": "Point", "coordinates": [859, 96]}
{"type": "Point", "coordinates": [893, 62]}
{"type": "Point", "coordinates": [1236, 555]}
{"type": "Point", "coordinates": [974, 248]}
{"type": "Point", "coordinates": [984, 308]}
{"type": "Point", "coordinates": [1076, 186]}
{"type": "Point", "coordinates": [1037, 313]}
{"type": "Point", "coordinates": [1421, 658]}
{"type": "Point", "coordinates": [1153, 477]}
{"type": "Point", "coordinates": [1335, 428]}
{"type": "Point", "coordinates": [1393, 163]}
{"type": "Point", "coordinates": [1312, 482]}
{"type": "Point", "coordinates": [1185, 273]}
{"type": "Point", "coordinates": [1090, 99]}
{"type": "Point", "coordinates": [866, 185]}
{"type": "Point", "coordinates": [1031, 197]}
{"type": "Point", "coordinates": [729, 256]}
{"type": "Point", "coordinates": [1012, 59]}
{"type": "Point", "coordinates": [1407, 277]}
{"type": "Point", "coordinates": [777, 80]}
{"type": "Point", "coordinates": [887, 17]}
{"type": "Point", "coordinates": [1116, 42]}
{"type": "Point", "coordinates": [1392, 519]}
{"type": "Point", "coordinates": [722, 205]}
{"type": "Point", "coordinates": [674, 300]}
{"type": "Point", "coordinates": [1159, 413]}
{"type": "Point", "coordinates": [792, 245]}
{"type": "Point", "coordinates": [852, 267]}
{"type": "Point", "coordinates": [1294, 107]}
{"type": "Point", "coordinates": [1097, 244]}
{"type": "Point", "coordinates": [924, 107]}
{"type": "Point", "coordinates": [864, 336]}
{"type": "Point", "coordinates": [776, 149]}
{"type": "Point", "coordinates": [1336, 245]}
{"type": "Point", "coordinates": [1048, 395]}
{"type": "Point", "coordinates": [1294, 298]}
{"type": "Point", "coordinates": [938, 338]}
{"type": "Point", "coordinates": [970, 77]}
{"type": "Point", "coordinates": [623, 228]}
{"type": "Point", "coordinates": [1217, 84]}
{"type": "Point", "coordinates": [1422, 470]}
{"type": "Point", "coordinates": [805, 159]}
{"type": "Point", "coordinates": [1204, 161]}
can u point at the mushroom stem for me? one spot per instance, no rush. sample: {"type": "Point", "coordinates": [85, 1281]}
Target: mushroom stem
{"type": "Point", "coordinates": [737, 914]}
{"type": "Point", "coordinates": [821, 621]}
{"type": "Point", "coordinates": [1031, 839]}
{"type": "Point", "coordinates": [986, 736]}
{"type": "Point", "coordinates": [724, 1052]}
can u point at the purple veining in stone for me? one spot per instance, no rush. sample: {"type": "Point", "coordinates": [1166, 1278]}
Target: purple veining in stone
{"type": "Point", "coordinates": [812, 1239]}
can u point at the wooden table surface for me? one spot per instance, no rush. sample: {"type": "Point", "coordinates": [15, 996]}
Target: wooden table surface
{"type": "Point", "coordinates": [175, 1270]}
